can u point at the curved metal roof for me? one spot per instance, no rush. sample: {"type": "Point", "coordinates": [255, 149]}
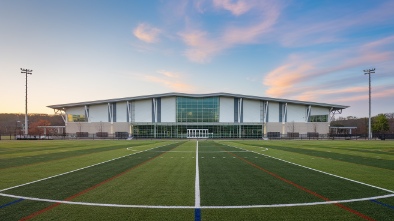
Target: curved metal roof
{"type": "Point", "coordinates": [176, 94]}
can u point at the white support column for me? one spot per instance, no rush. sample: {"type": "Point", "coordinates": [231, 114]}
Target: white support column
{"type": "Point", "coordinates": [265, 118]}
{"type": "Point", "coordinates": [87, 113]}
{"type": "Point", "coordinates": [284, 116]}
{"type": "Point", "coordinates": [308, 113]}
{"type": "Point", "coordinates": [240, 103]}
{"type": "Point", "coordinates": [132, 111]}
{"type": "Point", "coordinates": [154, 101]}
{"type": "Point", "coordinates": [111, 112]}
{"type": "Point", "coordinates": [266, 112]}
{"type": "Point", "coordinates": [128, 105]}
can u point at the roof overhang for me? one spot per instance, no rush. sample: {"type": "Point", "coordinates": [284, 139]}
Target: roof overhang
{"type": "Point", "coordinates": [175, 94]}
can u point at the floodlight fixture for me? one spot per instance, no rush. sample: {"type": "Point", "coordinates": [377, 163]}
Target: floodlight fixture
{"type": "Point", "coordinates": [26, 71]}
{"type": "Point", "coordinates": [369, 72]}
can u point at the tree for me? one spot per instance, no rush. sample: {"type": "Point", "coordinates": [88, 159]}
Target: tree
{"type": "Point", "coordinates": [35, 130]}
{"type": "Point", "coordinates": [380, 124]}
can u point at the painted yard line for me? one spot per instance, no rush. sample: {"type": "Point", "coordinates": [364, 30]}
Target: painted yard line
{"type": "Point", "coordinates": [87, 190]}
{"type": "Point", "coordinates": [383, 204]}
{"type": "Point", "coordinates": [10, 203]}
{"type": "Point", "coordinates": [197, 182]}
{"type": "Point", "coordinates": [355, 212]}
{"type": "Point", "coordinates": [76, 170]}
{"type": "Point", "coordinates": [309, 168]}
{"type": "Point", "coordinates": [201, 207]}
{"type": "Point", "coordinates": [197, 199]}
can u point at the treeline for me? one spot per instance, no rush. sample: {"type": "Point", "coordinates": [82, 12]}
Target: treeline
{"type": "Point", "coordinates": [13, 123]}
{"type": "Point", "coordinates": [381, 123]}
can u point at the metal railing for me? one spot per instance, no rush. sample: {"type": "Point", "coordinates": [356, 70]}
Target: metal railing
{"type": "Point", "coordinates": [124, 135]}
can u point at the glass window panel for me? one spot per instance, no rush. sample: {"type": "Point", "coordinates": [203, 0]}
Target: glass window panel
{"type": "Point", "coordinates": [198, 109]}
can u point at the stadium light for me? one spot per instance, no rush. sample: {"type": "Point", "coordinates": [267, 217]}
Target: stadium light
{"type": "Point", "coordinates": [369, 72]}
{"type": "Point", "coordinates": [26, 71]}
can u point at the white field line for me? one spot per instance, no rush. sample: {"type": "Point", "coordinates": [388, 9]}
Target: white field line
{"type": "Point", "coordinates": [197, 201]}
{"type": "Point", "coordinates": [174, 151]}
{"type": "Point", "coordinates": [78, 169]}
{"type": "Point", "coordinates": [201, 207]}
{"type": "Point", "coordinates": [189, 151]}
{"type": "Point", "coordinates": [309, 168]}
{"type": "Point", "coordinates": [197, 198]}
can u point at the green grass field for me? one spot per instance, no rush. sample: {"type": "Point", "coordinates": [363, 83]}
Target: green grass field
{"type": "Point", "coordinates": [158, 180]}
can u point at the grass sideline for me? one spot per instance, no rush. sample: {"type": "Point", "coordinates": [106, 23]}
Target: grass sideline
{"type": "Point", "coordinates": [163, 172]}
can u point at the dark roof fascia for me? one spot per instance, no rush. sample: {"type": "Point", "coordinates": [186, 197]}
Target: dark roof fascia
{"type": "Point", "coordinates": [221, 94]}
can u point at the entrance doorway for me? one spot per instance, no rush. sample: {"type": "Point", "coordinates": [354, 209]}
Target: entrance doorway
{"type": "Point", "coordinates": [197, 133]}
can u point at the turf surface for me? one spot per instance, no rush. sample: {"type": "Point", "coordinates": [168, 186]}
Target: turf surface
{"type": "Point", "coordinates": [232, 173]}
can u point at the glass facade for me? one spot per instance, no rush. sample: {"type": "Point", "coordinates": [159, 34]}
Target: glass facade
{"type": "Point", "coordinates": [214, 130]}
{"type": "Point", "coordinates": [196, 110]}
{"type": "Point", "coordinates": [198, 113]}
{"type": "Point", "coordinates": [318, 118]}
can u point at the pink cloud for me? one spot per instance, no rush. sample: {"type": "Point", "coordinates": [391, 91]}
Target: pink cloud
{"type": "Point", "coordinates": [314, 93]}
{"type": "Point", "coordinates": [170, 80]}
{"type": "Point", "coordinates": [146, 33]}
{"type": "Point", "coordinates": [235, 7]}
{"type": "Point", "coordinates": [251, 33]}
{"type": "Point", "coordinates": [281, 80]}
{"type": "Point", "coordinates": [330, 30]}
{"type": "Point", "coordinates": [380, 42]}
{"type": "Point", "coordinates": [383, 93]}
{"type": "Point", "coordinates": [292, 78]}
{"type": "Point", "coordinates": [202, 46]}
{"type": "Point", "coordinates": [168, 74]}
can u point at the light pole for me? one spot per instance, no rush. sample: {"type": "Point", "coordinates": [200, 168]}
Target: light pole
{"type": "Point", "coordinates": [26, 71]}
{"type": "Point", "coordinates": [369, 72]}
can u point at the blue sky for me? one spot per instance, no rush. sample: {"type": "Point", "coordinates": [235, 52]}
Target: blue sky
{"type": "Point", "coordinates": [293, 49]}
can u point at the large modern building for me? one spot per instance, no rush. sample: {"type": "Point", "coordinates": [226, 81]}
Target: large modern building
{"type": "Point", "coordinates": [179, 115]}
